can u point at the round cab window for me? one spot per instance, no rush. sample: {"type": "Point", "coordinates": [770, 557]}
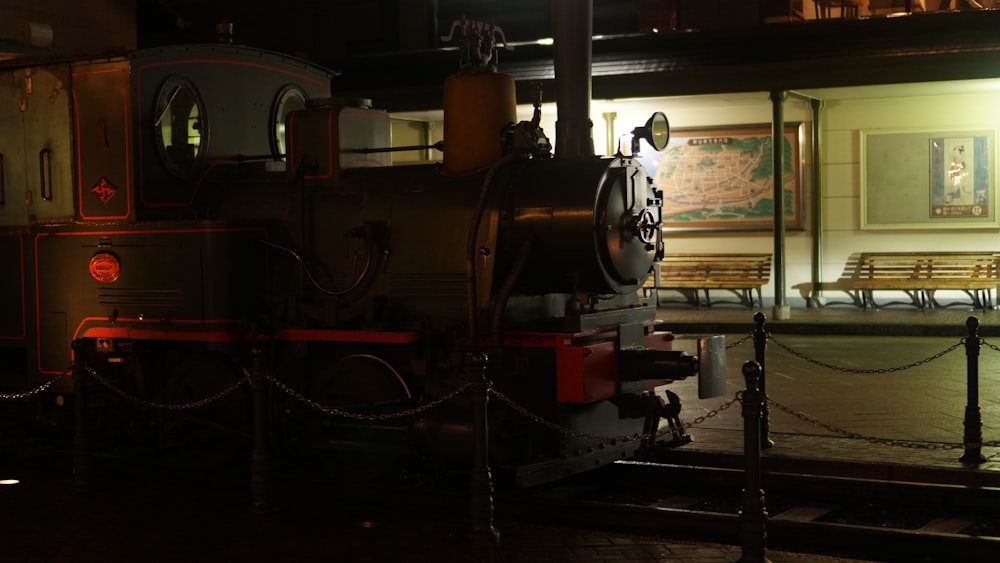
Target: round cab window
{"type": "Point", "coordinates": [289, 99]}
{"type": "Point", "coordinates": [180, 125]}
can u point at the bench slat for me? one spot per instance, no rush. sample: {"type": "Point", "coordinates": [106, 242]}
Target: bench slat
{"type": "Point", "coordinates": [738, 272]}
{"type": "Point", "coordinates": [921, 273]}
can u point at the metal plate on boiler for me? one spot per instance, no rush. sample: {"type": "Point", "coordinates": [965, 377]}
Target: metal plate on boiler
{"type": "Point", "coordinates": [711, 366]}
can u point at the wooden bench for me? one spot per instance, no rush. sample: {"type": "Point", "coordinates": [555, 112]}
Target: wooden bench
{"type": "Point", "coordinates": [920, 274]}
{"type": "Point", "coordinates": [743, 274]}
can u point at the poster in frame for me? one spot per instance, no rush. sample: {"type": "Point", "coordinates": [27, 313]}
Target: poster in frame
{"type": "Point", "coordinates": [928, 179]}
{"type": "Point", "coordinates": [719, 178]}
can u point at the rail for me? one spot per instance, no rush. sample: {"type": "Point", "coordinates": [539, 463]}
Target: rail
{"type": "Point", "coordinates": [754, 399]}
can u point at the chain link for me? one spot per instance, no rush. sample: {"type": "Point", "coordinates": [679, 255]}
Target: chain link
{"type": "Point", "coordinates": [35, 391]}
{"type": "Point", "coordinates": [370, 417]}
{"type": "Point", "coordinates": [163, 406]}
{"type": "Point", "coordinates": [802, 356]}
{"type": "Point", "coordinates": [740, 341]}
{"type": "Point", "coordinates": [872, 439]}
{"type": "Point", "coordinates": [602, 437]}
{"type": "Point", "coordinates": [624, 438]}
{"type": "Point", "coordinates": [983, 342]}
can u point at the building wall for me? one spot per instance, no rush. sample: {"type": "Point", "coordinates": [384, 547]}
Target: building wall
{"type": "Point", "coordinates": [842, 173]}
{"type": "Point", "coordinates": [798, 243]}
{"type": "Point", "coordinates": [841, 186]}
{"type": "Point", "coordinates": [72, 28]}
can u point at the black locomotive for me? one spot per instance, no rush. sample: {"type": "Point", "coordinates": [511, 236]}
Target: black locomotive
{"type": "Point", "coordinates": [165, 211]}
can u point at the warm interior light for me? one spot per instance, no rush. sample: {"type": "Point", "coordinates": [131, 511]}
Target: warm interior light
{"type": "Point", "coordinates": [9, 481]}
{"type": "Point", "coordinates": [546, 41]}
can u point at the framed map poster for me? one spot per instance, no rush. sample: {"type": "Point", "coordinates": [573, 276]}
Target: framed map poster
{"type": "Point", "coordinates": [928, 180]}
{"type": "Point", "coordinates": [720, 178]}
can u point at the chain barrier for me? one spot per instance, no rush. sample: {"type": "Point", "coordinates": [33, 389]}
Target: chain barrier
{"type": "Point", "coordinates": [740, 341]}
{"type": "Point", "coordinates": [605, 437]}
{"type": "Point", "coordinates": [165, 406]}
{"type": "Point", "coordinates": [495, 392]}
{"type": "Point", "coordinates": [546, 423]}
{"type": "Point", "coordinates": [872, 439]}
{"type": "Point", "coordinates": [926, 360]}
{"type": "Point", "coordinates": [993, 347]}
{"type": "Point", "coordinates": [35, 391]}
{"type": "Point", "coordinates": [376, 417]}
{"type": "Point", "coordinates": [369, 417]}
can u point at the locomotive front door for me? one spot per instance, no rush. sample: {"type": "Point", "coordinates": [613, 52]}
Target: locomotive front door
{"type": "Point", "coordinates": [43, 172]}
{"type": "Point", "coordinates": [48, 151]}
{"type": "Point", "coordinates": [12, 183]}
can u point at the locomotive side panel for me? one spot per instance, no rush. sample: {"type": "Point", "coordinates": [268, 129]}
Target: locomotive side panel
{"type": "Point", "coordinates": [398, 235]}
{"type": "Point", "coordinates": [48, 143]}
{"type": "Point", "coordinates": [103, 150]}
{"type": "Point", "coordinates": [12, 288]}
{"type": "Point", "coordinates": [36, 145]}
{"type": "Point", "coordinates": [13, 210]}
{"type": "Point", "coordinates": [172, 283]}
{"type": "Point", "coordinates": [200, 114]}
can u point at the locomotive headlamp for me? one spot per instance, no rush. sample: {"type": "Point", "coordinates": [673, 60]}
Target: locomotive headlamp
{"type": "Point", "coordinates": [656, 132]}
{"type": "Point", "coordinates": [105, 266]}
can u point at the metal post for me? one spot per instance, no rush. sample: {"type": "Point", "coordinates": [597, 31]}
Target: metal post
{"type": "Point", "coordinates": [483, 533]}
{"type": "Point", "coordinates": [759, 347]}
{"type": "Point", "coordinates": [81, 449]}
{"type": "Point", "coordinates": [973, 437]}
{"type": "Point", "coordinates": [753, 514]}
{"type": "Point", "coordinates": [778, 97]}
{"type": "Point", "coordinates": [260, 460]}
{"type": "Point", "coordinates": [817, 204]}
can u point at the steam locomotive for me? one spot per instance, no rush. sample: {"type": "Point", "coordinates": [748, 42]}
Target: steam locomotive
{"type": "Point", "coordinates": [165, 211]}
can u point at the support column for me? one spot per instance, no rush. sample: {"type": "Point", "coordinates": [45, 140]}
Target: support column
{"type": "Point", "coordinates": [817, 204]}
{"type": "Point", "coordinates": [781, 310]}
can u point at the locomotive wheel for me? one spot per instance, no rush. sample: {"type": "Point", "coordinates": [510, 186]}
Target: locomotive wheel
{"type": "Point", "coordinates": [363, 445]}
{"type": "Point", "coordinates": [209, 435]}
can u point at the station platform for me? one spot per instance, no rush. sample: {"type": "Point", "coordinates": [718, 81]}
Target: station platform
{"type": "Point", "coordinates": [882, 393]}
{"type": "Point", "coordinates": [862, 417]}
{"type": "Point", "coordinates": [838, 319]}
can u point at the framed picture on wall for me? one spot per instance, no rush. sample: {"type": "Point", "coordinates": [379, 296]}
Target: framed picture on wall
{"type": "Point", "coordinates": [928, 179]}
{"type": "Point", "coordinates": [720, 178]}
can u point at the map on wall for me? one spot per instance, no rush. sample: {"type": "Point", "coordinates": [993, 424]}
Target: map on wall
{"type": "Point", "coordinates": [721, 178]}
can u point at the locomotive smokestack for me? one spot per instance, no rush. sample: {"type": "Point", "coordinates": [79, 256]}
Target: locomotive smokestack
{"type": "Point", "coordinates": [573, 22]}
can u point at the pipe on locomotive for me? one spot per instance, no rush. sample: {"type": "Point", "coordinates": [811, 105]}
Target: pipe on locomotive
{"type": "Point", "coordinates": [572, 22]}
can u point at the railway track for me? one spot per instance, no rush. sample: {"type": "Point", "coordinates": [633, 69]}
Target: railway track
{"type": "Point", "coordinates": [837, 516]}
{"type": "Point", "coordinates": [840, 516]}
